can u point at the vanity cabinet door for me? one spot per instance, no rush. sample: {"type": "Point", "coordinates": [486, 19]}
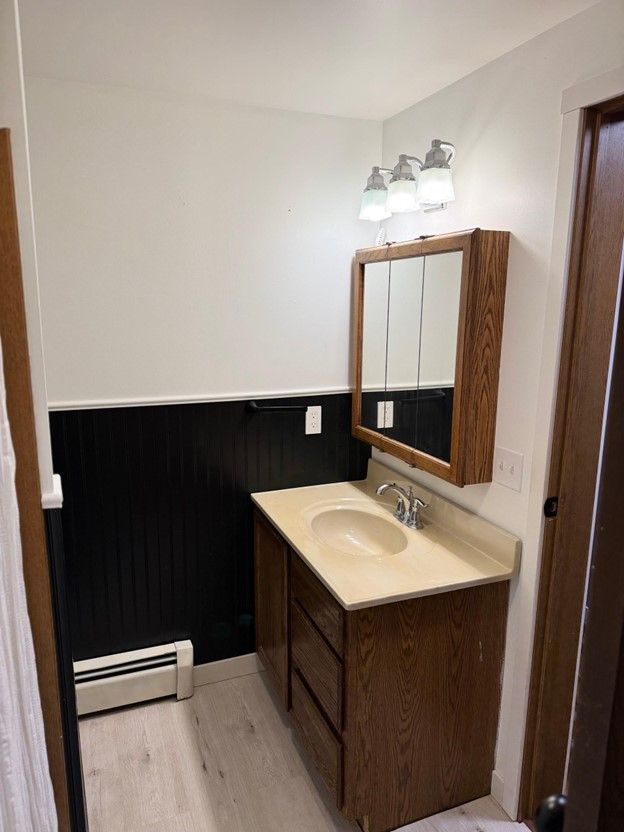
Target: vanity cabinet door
{"type": "Point", "coordinates": [271, 581]}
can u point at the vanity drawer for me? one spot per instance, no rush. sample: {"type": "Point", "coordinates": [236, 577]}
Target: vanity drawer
{"type": "Point", "coordinates": [317, 664]}
{"type": "Point", "coordinates": [317, 737]}
{"type": "Point", "coordinates": [319, 604]}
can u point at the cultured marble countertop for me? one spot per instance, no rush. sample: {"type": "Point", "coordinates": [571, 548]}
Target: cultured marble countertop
{"type": "Point", "coordinates": [455, 550]}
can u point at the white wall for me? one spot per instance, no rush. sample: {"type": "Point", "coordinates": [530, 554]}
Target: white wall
{"type": "Point", "coordinates": [190, 249]}
{"type": "Point", "coordinates": [13, 116]}
{"type": "Point", "coordinates": [505, 120]}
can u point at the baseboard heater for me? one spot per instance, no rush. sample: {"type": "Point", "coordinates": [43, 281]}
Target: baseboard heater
{"type": "Point", "coordinates": [136, 676]}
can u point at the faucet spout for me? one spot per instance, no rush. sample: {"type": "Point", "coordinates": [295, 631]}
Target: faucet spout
{"type": "Point", "coordinates": [408, 505]}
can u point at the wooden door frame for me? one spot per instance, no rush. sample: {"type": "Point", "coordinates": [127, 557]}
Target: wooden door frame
{"type": "Point", "coordinates": [32, 529]}
{"type": "Point", "coordinates": [594, 793]}
{"type": "Point", "coordinates": [541, 739]}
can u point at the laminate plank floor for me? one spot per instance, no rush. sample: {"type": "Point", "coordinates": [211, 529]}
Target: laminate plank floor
{"type": "Point", "coordinates": [223, 761]}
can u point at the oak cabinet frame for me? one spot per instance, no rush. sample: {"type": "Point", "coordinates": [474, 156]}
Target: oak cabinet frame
{"type": "Point", "coordinates": [479, 335]}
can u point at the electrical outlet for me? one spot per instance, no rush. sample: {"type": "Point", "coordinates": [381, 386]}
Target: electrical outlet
{"type": "Point", "coordinates": [508, 468]}
{"type": "Point", "coordinates": [385, 414]}
{"type": "Point", "coordinates": [313, 419]}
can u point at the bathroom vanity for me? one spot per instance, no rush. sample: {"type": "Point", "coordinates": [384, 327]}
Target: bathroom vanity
{"type": "Point", "coordinates": [384, 643]}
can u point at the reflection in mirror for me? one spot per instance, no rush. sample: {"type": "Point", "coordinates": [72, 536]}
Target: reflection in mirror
{"type": "Point", "coordinates": [404, 328]}
{"type": "Point", "coordinates": [438, 349]}
{"type": "Point", "coordinates": [410, 325]}
{"type": "Point", "coordinates": [374, 339]}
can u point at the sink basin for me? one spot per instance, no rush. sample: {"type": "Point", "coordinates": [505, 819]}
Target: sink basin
{"type": "Point", "coordinates": [356, 532]}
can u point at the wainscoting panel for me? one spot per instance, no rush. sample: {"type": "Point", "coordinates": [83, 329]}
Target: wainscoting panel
{"type": "Point", "coordinates": [157, 515]}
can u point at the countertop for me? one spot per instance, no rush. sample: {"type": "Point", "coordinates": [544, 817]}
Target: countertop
{"type": "Point", "coordinates": [455, 550]}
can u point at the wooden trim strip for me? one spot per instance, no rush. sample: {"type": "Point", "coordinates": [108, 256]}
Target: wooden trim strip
{"type": "Point", "coordinates": [21, 418]}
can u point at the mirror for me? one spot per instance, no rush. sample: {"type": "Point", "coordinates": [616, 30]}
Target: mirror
{"type": "Point", "coordinates": [409, 345]}
{"type": "Point", "coordinates": [428, 324]}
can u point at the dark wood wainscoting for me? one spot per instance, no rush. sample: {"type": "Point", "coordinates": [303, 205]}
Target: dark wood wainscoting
{"type": "Point", "coordinates": [157, 518]}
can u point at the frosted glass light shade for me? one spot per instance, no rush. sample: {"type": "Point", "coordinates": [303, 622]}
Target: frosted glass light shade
{"type": "Point", "coordinates": [435, 185]}
{"type": "Point", "coordinates": [402, 196]}
{"type": "Point", "coordinates": [373, 205]}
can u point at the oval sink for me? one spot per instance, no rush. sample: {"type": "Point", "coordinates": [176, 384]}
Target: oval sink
{"type": "Point", "coordinates": [358, 532]}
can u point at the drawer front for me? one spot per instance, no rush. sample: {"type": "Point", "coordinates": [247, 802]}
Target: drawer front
{"type": "Point", "coordinates": [317, 664]}
{"type": "Point", "coordinates": [319, 604]}
{"type": "Point", "coordinates": [317, 737]}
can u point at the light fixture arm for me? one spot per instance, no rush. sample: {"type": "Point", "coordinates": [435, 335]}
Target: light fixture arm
{"type": "Point", "coordinates": [450, 148]}
{"type": "Point", "coordinates": [405, 157]}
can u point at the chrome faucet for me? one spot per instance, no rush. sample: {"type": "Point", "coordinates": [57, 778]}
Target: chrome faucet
{"type": "Point", "coordinates": [408, 505]}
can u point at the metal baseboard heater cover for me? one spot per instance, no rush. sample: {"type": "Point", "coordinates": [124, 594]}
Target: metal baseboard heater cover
{"type": "Point", "coordinates": [136, 676]}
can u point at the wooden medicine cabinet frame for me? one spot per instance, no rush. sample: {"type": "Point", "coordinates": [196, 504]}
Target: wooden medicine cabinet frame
{"type": "Point", "coordinates": [480, 327]}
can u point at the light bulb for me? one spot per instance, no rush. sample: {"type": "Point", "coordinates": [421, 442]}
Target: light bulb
{"type": "Point", "coordinates": [402, 196]}
{"type": "Point", "coordinates": [373, 207]}
{"type": "Point", "coordinates": [435, 186]}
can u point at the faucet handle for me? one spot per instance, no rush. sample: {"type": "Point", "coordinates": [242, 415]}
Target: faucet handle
{"type": "Point", "coordinates": [415, 501]}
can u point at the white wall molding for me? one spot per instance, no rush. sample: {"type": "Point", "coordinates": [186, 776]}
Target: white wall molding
{"type": "Point", "coordinates": [54, 497]}
{"type": "Point", "coordinates": [221, 671]}
{"type": "Point", "coordinates": [498, 788]}
{"type": "Point", "coordinates": [96, 404]}
{"type": "Point", "coordinates": [593, 91]}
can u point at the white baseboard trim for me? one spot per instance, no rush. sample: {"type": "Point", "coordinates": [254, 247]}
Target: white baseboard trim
{"type": "Point", "coordinates": [498, 788]}
{"type": "Point", "coordinates": [208, 674]}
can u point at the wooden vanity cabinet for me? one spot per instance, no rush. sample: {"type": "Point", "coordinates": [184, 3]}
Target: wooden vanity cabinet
{"type": "Point", "coordinates": [397, 705]}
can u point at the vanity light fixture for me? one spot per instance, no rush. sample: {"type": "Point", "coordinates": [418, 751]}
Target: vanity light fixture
{"type": "Point", "coordinates": [405, 192]}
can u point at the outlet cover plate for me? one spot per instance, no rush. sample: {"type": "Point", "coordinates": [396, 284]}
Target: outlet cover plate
{"type": "Point", "coordinates": [385, 419]}
{"type": "Point", "coordinates": [508, 467]}
{"type": "Point", "coordinates": [313, 419]}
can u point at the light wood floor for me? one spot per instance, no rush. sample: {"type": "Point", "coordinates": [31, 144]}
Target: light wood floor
{"type": "Point", "coordinates": [223, 761]}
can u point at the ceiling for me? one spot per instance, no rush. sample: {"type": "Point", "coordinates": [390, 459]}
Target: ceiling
{"type": "Point", "coordinates": [358, 58]}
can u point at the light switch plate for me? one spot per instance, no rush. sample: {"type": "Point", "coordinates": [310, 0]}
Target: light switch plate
{"type": "Point", "coordinates": [385, 419]}
{"type": "Point", "coordinates": [508, 468]}
{"type": "Point", "coordinates": [313, 419]}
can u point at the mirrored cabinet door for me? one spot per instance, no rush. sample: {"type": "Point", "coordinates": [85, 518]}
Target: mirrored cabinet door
{"type": "Point", "coordinates": [439, 322]}
{"type": "Point", "coordinates": [428, 321]}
